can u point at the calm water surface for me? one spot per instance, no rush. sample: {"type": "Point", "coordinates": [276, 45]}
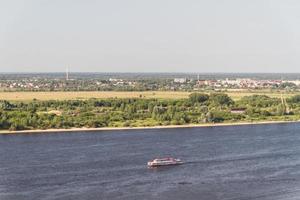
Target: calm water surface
{"type": "Point", "coordinates": [236, 163]}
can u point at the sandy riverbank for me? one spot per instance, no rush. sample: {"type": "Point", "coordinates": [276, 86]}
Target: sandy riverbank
{"type": "Point", "coordinates": [140, 128]}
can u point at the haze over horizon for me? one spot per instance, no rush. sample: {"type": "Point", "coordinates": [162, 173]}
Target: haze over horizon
{"type": "Point", "coordinates": [257, 36]}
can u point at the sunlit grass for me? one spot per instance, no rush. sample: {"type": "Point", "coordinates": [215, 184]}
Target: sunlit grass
{"type": "Point", "coordinates": [28, 96]}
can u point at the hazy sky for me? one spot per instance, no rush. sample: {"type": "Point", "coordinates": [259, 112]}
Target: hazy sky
{"type": "Point", "coordinates": [150, 35]}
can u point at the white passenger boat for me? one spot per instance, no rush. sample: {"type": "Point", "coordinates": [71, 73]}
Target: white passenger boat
{"type": "Point", "coordinates": [164, 162]}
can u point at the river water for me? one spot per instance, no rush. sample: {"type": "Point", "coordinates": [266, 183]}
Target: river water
{"type": "Point", "coordinates": [233, 162]}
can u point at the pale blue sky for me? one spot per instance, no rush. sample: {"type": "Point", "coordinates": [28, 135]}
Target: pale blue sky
{"type": "Point", "coordinates": [150, 35]}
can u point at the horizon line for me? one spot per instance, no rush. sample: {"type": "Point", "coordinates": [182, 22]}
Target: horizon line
{"type": "Point", "coordinates": [138, 72]}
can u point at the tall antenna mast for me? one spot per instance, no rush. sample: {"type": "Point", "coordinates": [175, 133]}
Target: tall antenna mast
{"type": "Point", "coordinates": [67, 74]}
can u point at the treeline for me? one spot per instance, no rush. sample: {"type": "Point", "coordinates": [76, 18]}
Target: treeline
{"type": "Point", "coordinates": [198, 108]}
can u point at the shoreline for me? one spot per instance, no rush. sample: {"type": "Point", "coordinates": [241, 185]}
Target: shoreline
{"type": "Point", "coordinates": [144, 127]}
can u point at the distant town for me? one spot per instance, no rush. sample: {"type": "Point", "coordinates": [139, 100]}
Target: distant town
{"type": "Point", "coordinates": [141, 82]}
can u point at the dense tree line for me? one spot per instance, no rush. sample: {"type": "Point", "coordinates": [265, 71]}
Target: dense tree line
{"type": "Point", "coordinates": [198, 108]}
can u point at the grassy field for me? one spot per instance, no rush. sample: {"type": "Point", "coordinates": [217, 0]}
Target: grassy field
{"type": "Point", "coordinates": [27, 96]}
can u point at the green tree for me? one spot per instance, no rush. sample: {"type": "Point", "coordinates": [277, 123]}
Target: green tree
{"type": "Point", "coordinates": [220, 99]}
{"type": "Point", "coordinates": [198, 97]}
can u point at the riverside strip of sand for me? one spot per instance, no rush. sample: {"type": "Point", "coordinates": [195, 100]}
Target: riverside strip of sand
{"type": "Point", "coordinates": [140, 128]}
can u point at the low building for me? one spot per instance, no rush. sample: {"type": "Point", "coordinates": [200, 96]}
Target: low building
{"type": "Point", "coordinates": [238, 110]}
{"type": "Point", "coordinates": [201, 82]}
{"type": "Point", "coordinates": [180, 80]}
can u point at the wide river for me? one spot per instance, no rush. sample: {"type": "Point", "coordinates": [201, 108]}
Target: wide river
{"type": "Point", "coordinates": [233, 162]}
